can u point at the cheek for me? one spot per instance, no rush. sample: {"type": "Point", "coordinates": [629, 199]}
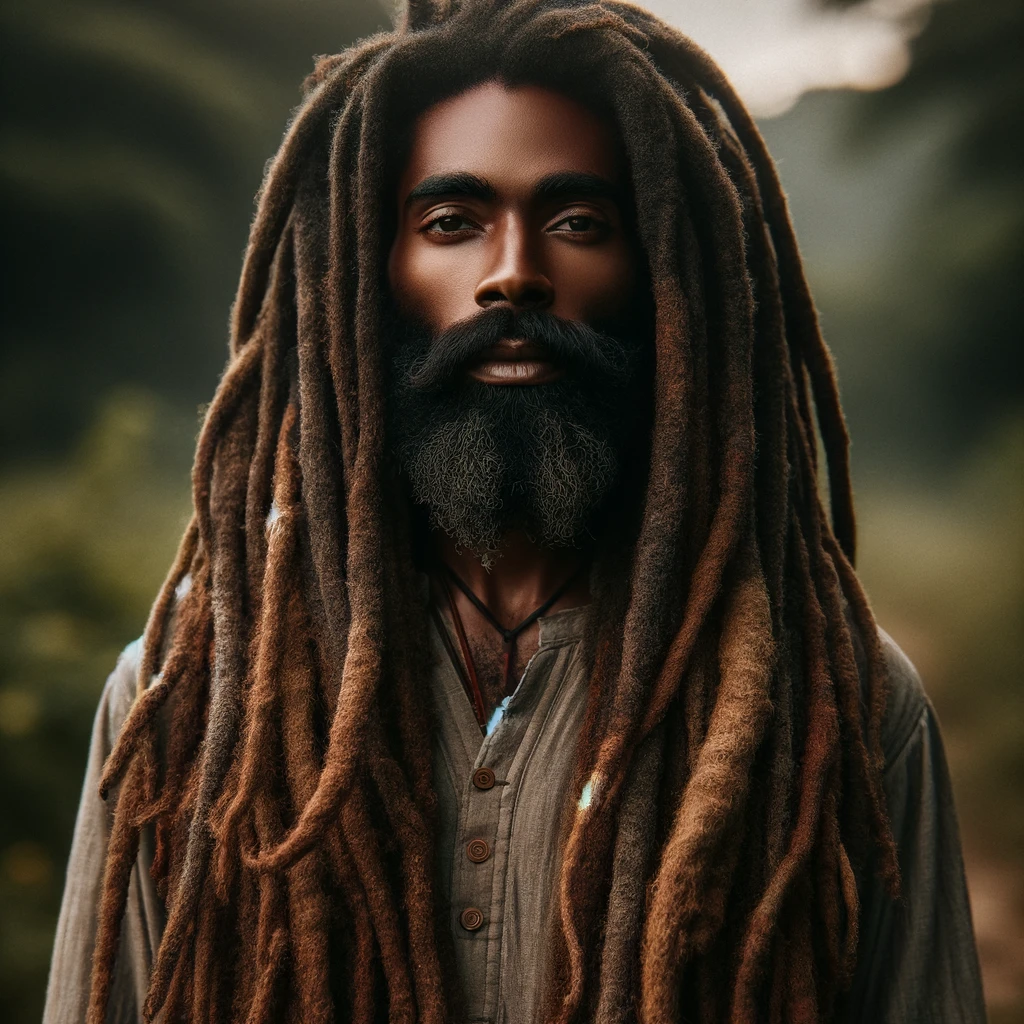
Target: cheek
{"type": "Point", "coordinates": [432, 283]}
{"type": "Point", "coordinates": [593, 283]}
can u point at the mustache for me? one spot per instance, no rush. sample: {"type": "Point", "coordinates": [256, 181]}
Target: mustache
{"type": "Point", "coordinates": [572, 342]}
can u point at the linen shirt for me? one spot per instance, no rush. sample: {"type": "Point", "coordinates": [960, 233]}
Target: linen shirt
{"type": "Point", "coordinates": [500, 798]}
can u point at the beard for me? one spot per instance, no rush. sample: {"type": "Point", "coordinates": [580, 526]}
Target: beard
{"type": "Point", "coordinates": [484, 459]}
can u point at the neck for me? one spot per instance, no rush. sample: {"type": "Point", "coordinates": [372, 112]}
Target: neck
{"type": "Point", "coordinates": [521, 578]}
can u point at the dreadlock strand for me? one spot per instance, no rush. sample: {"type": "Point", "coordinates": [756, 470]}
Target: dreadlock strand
{"type": "Point", "coordinates": [820, 750]}
{"type": "Point", "coordinates": [264, 699]}
{"type": "Point", "coordinates": [276, 195]}
{"type": "Point", "coordinates": [173, 1008]}
{"type": "Point", "coordinates": [187, 666]}
{"type": "Point", "coordinates": [140, 720]}
{"type": "Point", "coordinates": [350, 64]}
{"type": "Point", "coordinates": [261, 1010]}
{"type": "Point", "coordinates": [226, 509]}
{"type": "Point", "coordinates": [770, 357]}
{"type": "Point", "coordinates": [734, 417]}
{"type": "Point", "coordinates": [422, 14]}
{"type": "Point", "coordinates": [850, 689]}
{"type": "Point", "coordinates": [805, 992]}
{"type": "Point", "coordinates": [309, 925]}
{"type": "Point", "coordinates": [365, 961]}
{"type": "Point", "coordinates": [122, 850]}
{"type": "Point", "coordinates": [326, 527]}
{"type": "Point", "coordinates": [341, 250]}
{"type": "Point", "coordinates": [235, 385]}
{"type": "Point", "coordinates": [634, 850]}
{"type": "Point", "coordinates": [851, 912]}
{"type": "Point", "coordinates": [275, 666]}
{"type": "Point", "coordinates": [830, 930]}
{"type": "Point", "coordinates": [273, 390]}
{"type": "Point", "coordinates": [308, 910]}
{"type": "Point", "coordinates": [365, 848]}
{"type": "Point", "coordinates": [155, 632]}
{"type": "Point", "coordinates": [863, 787]}
{"type": "Point", "coordinates": [408, 826]}
{"type": "Point", "coordinates": [876, 690]}
{"type": "Point", "coordinates": [714, 793]}
{"type": "Point", "coordinates": [701, 691]}
{"type": "Point", "coordinates": [204, 967]}
{"type": "Point", "coordinates": [272, 919]}
{"type": "Point", "coordinates": [151, 694]}
{"type": "Point", "coordinates": [793, 285]}
{"type": "Point", "coordinates": [781, 769]}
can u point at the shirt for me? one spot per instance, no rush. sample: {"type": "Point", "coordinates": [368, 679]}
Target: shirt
{"type": "Point", "coordinates": [500, 798]}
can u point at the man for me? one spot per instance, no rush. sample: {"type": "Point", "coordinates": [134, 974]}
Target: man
{"type": "Point", "coordinates": [511, 669]}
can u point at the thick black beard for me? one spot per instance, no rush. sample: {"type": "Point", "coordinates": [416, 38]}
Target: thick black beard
{"type": "Point", "coordinates": [486, 459]}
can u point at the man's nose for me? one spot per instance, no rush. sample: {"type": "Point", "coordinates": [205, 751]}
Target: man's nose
{"type": "Point", "coordinates": [515, 276]}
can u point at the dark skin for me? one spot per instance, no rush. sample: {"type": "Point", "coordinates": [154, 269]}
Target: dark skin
{"type": "Point", "coordinates": [514, 197]}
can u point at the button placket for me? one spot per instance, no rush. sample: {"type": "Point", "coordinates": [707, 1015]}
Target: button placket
{"type": "Point", "coordinates": [473, 897]}
{"type": "Point", "coordinates": [486, 812]}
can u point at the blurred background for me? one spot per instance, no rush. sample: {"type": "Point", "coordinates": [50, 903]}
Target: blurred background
{"type": "Point", "coordinates": [132, 141]}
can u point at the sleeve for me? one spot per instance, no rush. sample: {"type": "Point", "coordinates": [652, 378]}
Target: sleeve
{"type": "Point", "coordinates": [918, 958]}
{"type": "Point", "coordinates": [67, 994]}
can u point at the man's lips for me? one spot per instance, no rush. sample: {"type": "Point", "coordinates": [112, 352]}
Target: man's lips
{"type": "Point", "coordinates": [515, 361]}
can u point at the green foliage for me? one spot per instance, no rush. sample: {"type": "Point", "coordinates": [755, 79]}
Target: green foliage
{"type": "Point", "coordinates": [947, 582]}
{"type": "Point", "coordinates": [910, 210]}
{"type": "Point", "coordinates": [85, 543]}
{"type": "Point", "coordinates": [132, 141]}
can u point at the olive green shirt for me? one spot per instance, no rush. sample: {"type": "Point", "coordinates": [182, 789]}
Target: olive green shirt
{"type": "Point", "coordinates": [500, 797]}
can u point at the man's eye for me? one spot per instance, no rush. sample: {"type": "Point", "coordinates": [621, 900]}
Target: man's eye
{"type": "Point", "coordinates": [450, 222]}
{"type": "Point", "coordinates": [578, 224]}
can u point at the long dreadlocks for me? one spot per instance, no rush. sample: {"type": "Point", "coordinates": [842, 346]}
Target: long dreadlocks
{"type": "Point", "coordinates": [279, 744]}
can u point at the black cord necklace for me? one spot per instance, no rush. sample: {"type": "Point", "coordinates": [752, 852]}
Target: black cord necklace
{"type": "Point", "coordinates": [508, 636]}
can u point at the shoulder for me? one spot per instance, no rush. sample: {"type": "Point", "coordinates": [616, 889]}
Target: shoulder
{"type": "Point", "coordinates": [906, 703]}
{"type": "Point", "coordinates": [120, 690]}
{"type": "Point", "coordinates": [916, 959]}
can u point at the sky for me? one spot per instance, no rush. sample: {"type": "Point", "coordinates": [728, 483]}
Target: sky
{"type": "Point", "coordinates": [776, 50]}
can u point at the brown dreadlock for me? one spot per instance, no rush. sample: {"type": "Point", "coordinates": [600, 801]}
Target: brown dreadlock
{"type": "Point", "coordinates": [279, 744]}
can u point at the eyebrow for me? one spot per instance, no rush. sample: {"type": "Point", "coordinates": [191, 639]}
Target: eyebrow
{"type": "Point", "coordinates": [454, 183]}
{"type": "Point", "coordinates": [560, 185]}
{"type": "Point", "coordinates": [580, 184]}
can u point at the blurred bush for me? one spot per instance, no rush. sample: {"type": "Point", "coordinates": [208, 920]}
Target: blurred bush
{"type": "Point", "coordinates": [85, 542]}
{"type": "Point", "coordinates": [133, 139]}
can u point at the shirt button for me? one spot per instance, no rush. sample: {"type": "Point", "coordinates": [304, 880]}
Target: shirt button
{"type": "Point", "coordinates": [471, 919]}
{"type": "Point", "coordinates": [483, 778]}
{"type": "Point", "coordinates": [477, 850]}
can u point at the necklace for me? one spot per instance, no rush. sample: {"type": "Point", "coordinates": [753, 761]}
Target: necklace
{"type": "Point", "coordinates": [508, 636]}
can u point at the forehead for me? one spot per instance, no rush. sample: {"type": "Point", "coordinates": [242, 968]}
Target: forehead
{"type": "Point", "coordinates": [511, 135]}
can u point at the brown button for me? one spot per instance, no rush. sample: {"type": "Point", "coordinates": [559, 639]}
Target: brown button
{"type": "Point", "coordinates": [471, 919]}
{"type": "Point", "coordinates": [483, 778]}
{"type": "Point", "coordinates": [477, 850]}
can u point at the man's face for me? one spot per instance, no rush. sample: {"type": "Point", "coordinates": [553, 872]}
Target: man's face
{"type": "Point", "coordinates": [511, 197]}
{"type": "Point", "coordinates": [513, 277]}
